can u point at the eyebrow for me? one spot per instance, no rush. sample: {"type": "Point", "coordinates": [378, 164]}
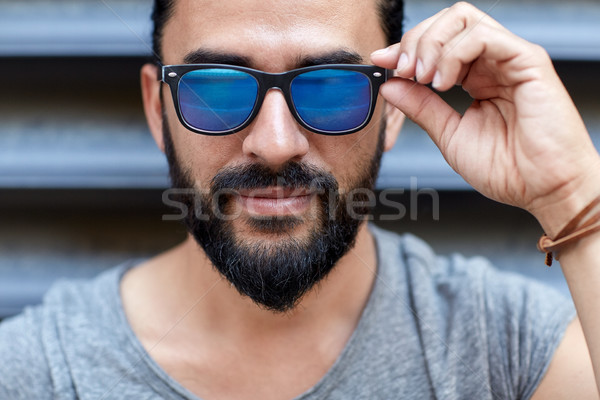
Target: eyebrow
{"type": "Point", "coordinates": [204, 56]}
{"type": "Point", "coordinates": [334, 57]}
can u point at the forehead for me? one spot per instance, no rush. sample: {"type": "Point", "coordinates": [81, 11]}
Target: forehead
{"type": "Point", "coordinates": [272, 33]}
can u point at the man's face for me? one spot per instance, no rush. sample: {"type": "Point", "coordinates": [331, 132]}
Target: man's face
{"type": "Point", "coordinates": [287, 213]}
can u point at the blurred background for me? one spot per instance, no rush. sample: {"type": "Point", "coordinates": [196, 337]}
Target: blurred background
{"type": "Point", "coordinates": [81, 180]}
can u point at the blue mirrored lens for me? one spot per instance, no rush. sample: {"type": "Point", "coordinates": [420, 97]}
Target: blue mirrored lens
{"type": "Point", "coordinates": [331, 99]}
{"type": "Point", "coordinates": [217, 99]}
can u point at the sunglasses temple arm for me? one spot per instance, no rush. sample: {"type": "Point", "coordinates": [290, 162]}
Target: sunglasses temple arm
{"type": "Point", "coordinates": [389, 73]}
{"type": "Point", "coordinates": [159, 71]}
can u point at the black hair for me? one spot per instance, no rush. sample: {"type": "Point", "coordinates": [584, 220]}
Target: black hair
{"type": "Point", "coordinates": [391, 14]}
{"type": "Point", "coordinates": [162, 12]}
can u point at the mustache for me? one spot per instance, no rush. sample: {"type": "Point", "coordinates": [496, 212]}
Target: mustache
{"type": "Point", "coordinates": [292, 175]}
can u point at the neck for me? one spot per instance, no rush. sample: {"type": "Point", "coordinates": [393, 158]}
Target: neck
{"type": "Point", "coordinates": [201, 331]}
{"type": "Point", "coordinates": [181, 291]}
{"type": "Point", "coordinates": [340, 297]}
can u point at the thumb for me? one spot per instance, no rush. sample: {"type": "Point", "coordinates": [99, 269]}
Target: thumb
{"type": "Point", "coordinates": [422, 105]}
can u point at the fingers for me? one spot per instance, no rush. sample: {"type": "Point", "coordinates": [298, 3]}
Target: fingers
{"type": "Point", "coordinates": [387, 57]}
{"type": "Point", "coordinates": [429, 46]}
{"type": "Point", "coordinates": [397, 55]}
{"type": "Point", "coordinates": [458, 38]}
{"type": "Point", "coordinates": [441, 49]}
{"type": "Point", "coordinates": [407, 64]}
{"type": "Point", "coordinates": [424, 107]}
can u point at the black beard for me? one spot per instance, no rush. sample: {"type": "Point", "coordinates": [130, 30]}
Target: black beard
{"type": "Point", "coordinates": [276, 274]}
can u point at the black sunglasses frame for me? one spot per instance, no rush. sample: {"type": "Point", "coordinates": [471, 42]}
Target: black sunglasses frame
{"type": "Point", "coordinates": [172, 74]}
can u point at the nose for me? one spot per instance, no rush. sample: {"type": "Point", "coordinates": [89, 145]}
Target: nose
{"type": "Point", "coordinates": [275, 137]}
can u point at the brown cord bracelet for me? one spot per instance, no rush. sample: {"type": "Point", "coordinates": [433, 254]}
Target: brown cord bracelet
{"type": "Point", "coordinates": [570, 233]}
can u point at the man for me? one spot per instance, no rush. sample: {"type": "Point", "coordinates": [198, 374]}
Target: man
{"type": "Point", "coordinates": [281, 291]}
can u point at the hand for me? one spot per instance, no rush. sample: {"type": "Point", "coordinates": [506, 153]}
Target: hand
{"type": "Point", "coordinates": [522, 141]}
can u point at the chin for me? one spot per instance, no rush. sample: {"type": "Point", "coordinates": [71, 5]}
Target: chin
{"type": "Point", "coordinates": [276, 229]}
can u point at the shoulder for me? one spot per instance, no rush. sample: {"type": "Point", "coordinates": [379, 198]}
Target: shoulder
{"type": "Point", "coordinates": [35, 346]}
{"type": "Point", "coordinates": [24, 370]}
{"type": "Point", "coordinates": [508, 325]}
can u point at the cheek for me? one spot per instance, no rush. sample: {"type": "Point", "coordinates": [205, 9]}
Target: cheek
{"type": "Point", "coordinates": [203, 156]}
{"type": "Point", "coordinates": [348, 157]}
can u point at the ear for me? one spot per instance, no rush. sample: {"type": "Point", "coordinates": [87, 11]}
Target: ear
{"type": "Point", "coordinates": [394, 121]}
{"type": "Point", "coordinates": [152, 103]}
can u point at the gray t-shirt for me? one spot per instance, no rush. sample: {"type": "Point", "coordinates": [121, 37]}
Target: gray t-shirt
{"type": "Point", "coordinates": [433, 328]}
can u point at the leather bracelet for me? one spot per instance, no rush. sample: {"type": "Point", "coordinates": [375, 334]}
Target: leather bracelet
{"type": "Point", "coordinates": [572, 232]}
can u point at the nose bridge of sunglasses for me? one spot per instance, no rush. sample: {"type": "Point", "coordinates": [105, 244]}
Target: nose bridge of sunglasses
{"type": "Point", "coordinates": [278, 82]}
{"type": "Point", "coordinates": [270, 81]}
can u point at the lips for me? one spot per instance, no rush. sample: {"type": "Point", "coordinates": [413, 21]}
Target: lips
{"type": "Point", "coordinates": [274, 192]}
{"type": "Point", "coordinates": [275, 201]}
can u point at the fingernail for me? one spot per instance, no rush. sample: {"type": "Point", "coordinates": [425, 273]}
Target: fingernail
{"type": "Point", "coordinates": [380, 52]}
{"type": "Point", "coordinates": [437, 80]}
{"type": "Point", "coordinates": [420, 69]}
{"type": "Point", "coordinates": [403, 62]}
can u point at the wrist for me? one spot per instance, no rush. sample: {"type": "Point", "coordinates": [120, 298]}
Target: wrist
{"type": "Point", "coordinates": [556, 215]}
{"type": "Point", "coordinates": [586, 223]}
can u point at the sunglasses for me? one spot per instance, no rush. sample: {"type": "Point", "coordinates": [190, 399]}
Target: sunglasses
{"type": "Point", "coordinates": [330, 99]}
